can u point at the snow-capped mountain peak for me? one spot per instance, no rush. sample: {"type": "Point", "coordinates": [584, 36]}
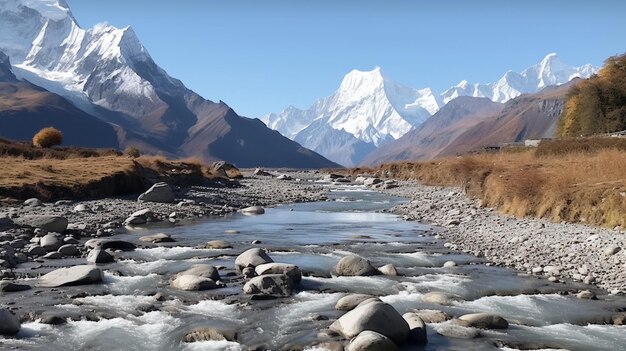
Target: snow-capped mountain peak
{"type": "Point", "coordinates": [550, 71]}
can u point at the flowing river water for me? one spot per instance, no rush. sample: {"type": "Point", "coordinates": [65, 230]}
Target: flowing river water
{"type": "Point", "coordinates": [124, 313]}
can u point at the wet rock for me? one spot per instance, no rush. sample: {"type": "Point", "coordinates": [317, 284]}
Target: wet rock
{"type": "Point", "coordinates": [209, 334]}
{"type": "Point", "coordinates": [349, 302]}
{"type": "Point", "coordinates": [7, 286]}
{"type": "Point", "coordinates": [252, 258]}
{"type": "Point", "coordinates": [439, 298]}
{"type": "Point", "coordinates": [53, 319]}
{"type": "Point", "coordinates": [373, 316]}
{"type": "Point", "coordinates": [292, 271]}
{"type": "Point", "coordinates": [105, 244]}
{"type": "Point", "coordinates": [33, 202]}
{"type": "Point", "coordinates": [99, 256]}
{"type": "Point", "coordinates": [248, 273]}
{"type": "Point", "coordinates": [157, 238]}
{"type": "Point", "coordinates": [202, 270]}
{"type": "Point", "coordinates": [50, 242]}
{"type": "Point", "coordinates": [193, 283]}
{"type": "Point", "coordinates": [353, 265]}
{"type": "Point", "coordinates": [76, 275]}
{"type": "Point", "coordinates": [417, 328]}
{"type": "Point", "coordinates": [53, 256]}
{"type": "Point", "coordinates": [54, 224]}
{"type": "Point", "coordinates": [218, 245]}
{"type": "Point", "coordinates": [452, 330]}
{"type": "Point", "coordinates": [253, 210]}
{"type": "Point", "coordinates": [330, 346]}
{"type": "Point", "coordinates": [619, 318]}
{"type": "Point", "coordinates": [388, 269]}
{"type": "Point", "coordinates": [586, 295]}
{"type": "Point", "coordinates": [371, 341]}
{"type": "Point", "coordinates": [449, 264]}
{"type": "Point", "coordinates": [9, 324]}
{"type": "Point", "coordinates": [159, 192]}
{"type": "Point", "coordinates": [36, 251]}
{"type": "Point", "coordinates": [69, 250]}
{"type": "Point", "coordinates": [484, 321]}
{"type": "Point", "coordinates": [139, 217]}
{"type": "Point", "coordinates": [269, 285]}
{"type": "Point", "coordinates": [432, 316]}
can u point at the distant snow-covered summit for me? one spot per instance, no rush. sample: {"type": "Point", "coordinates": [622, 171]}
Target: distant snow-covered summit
{"type": "Point", "coordinates": [370, 109]}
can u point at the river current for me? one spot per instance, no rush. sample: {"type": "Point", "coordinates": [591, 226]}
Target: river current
{"type": "Point", "coordinates": [313, 236]}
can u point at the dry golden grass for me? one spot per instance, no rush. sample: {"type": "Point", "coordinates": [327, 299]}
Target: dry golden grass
{"type": "Point", "coordinates": [587, 187]}
{"type": "Point", "coordinates": [63, 173]}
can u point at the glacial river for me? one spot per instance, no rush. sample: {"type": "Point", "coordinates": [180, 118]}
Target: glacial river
{"type": "Point", "coordinates": [313, 236]}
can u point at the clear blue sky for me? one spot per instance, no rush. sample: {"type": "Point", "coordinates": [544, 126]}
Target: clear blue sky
{"type": "Point", "coordinates": [260, 56]}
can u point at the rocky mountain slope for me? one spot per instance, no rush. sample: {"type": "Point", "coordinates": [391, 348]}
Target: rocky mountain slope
{"type": "Point", "coordinates": [26, 108]}
{"type": "Point", "coordinates": [108, 73]}
{"type": "Point", "coordinates": [470, 123]}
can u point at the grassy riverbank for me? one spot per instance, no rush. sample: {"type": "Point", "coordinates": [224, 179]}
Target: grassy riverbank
{"type": "Point", "coordinates": [574, 181]}
{"type": "Point", "coordinates": [76, 173]}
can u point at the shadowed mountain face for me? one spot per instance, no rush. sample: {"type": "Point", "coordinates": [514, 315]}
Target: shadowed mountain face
{"type": "Point", "coordinates": [109, 74]}
{"type": "Point", "coordinates": [435, 135]}
{"type": "Point", "coordinates": [26, 108]}
{"type": "Point", "coordinates": [470, 123]}
{"type": "Point", "coordinates": [531, 116]}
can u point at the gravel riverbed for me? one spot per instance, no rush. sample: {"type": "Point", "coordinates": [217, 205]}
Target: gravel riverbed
{"type": "Point", "coordinates": [557, 250]}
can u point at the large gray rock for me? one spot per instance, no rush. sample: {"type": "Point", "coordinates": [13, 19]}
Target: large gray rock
{"type": "Point", "coordinates": [374, 316]}
{"type": "Point", "coordinates": [439, 298]}
{"type": "Point", "coordinates": [140, 217]}
{"type": "Point", "coordinates": [159, 192]}
{"type": "Point", "coordinates": [484, 321]}
{"type": "Point", "coordinates": [33, 202]}
{"type": "Point", "coordinates": [253, 210]}
{"type": "Point", "coordinates": [353, 265]}
{"type": "Point", "coordinates": [36, 251]}
{"type": "Point", "coordinates": [218, 245]}
{"type": "Point", "coordinates": [157, 238]}
{"type": "Point", "coordinates": [193, 283]}
{"type": "Point", "coordinates": [388, 269]}
{"type": "Point", "coordinates": [99, 256]}
{"type": "Point", "coordinates": [225, 170]}
{"type": "Point", "coordinates": [292, 271]}
{"type": "Point", "coordinates": [209, 334]}
{"type": "Point", "coordinates": [349, 302]}
{"type": "Point", "coordinates": [54, 224]}
{"type": "Point", "coordinates": [7, 286]}
{"type": "Point", "coordinates": [9, 324]}
{"type": "Point", "coordinates": [202, 270]}
{"type": "Point", "coordinates": [252, 258]}
{"type": "Point", "coordinates": [417, 328]}
{"type": "Point", "coordinates": [69, 250]}
{"type": "Point", "coordinates": [371, 341]}
{"type": "Point", "coordinates": [76, 275]}
{"type": "Point", "coordinates": [50, 242]}
{"type": "Point", "coordinates": [269, 285]}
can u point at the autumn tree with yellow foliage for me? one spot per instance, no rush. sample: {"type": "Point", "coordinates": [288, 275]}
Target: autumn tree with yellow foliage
{"type": "Point", "coordinates": [598, 104]}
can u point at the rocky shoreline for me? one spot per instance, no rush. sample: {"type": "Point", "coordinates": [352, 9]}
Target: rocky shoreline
{"type": "Point", "coordinates": [556, 250]}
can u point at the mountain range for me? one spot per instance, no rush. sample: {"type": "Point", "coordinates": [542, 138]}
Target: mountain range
{"type": "Point", "coordinates": [369, 110]}
{"type": "Point", "coordinates": [107, 76]}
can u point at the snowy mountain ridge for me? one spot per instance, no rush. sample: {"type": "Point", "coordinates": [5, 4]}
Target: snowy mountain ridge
{"type": "Point", "coordinates": [375, 110]}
